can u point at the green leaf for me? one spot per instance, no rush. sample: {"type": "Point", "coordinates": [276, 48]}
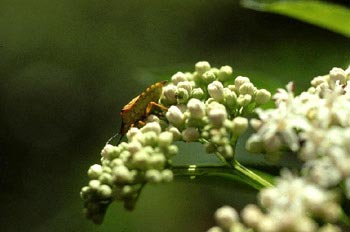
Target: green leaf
{"type": "Point", "coordinates": [326, 15]}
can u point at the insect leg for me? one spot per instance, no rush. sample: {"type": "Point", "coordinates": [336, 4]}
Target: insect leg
{"type": "Point", "coordinates": [154, 105]}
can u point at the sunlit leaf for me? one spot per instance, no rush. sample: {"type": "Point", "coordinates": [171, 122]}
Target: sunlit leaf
{"type": "Point", "coordinates": [327, 15]}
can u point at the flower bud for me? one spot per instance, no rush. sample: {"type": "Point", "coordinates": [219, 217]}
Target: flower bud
{"type": "Point", "coordinates": [190, 134]}
{"type": "Point", "coordinates": [239, 81]}
{"type": "Point", "coordinates": [201, 67]}
{"type": "Point", "coordinates": [252, 215]}
{"type": "Point", "coordinates": [151, 126]}
{"type": "Point", "coordinates": [95, 171]}
{"type": "Point", "coordinates": [247, 88]}
{"type": "Point", "coordinates": [185, 85]}
{"type": "Point", "coordinates": [209, 76]}
{"type": "Point", "coordinates": [224, 73]}
{"type": "Point", "coordinates": [132, 132]}
{"type": "Point", "coordinates": [165, 139]}
{"type": "Point", "coordinates": [121, 174]}
{"type": "Point", "coordinates": [215, 229]}
{"type": "Point", "coordinates": [337, 74]}
{"type": "Point", "coordinates": [140, 160]}
{"type": "Point", "coordinates": [172, 151]}
{"type": "Point", "coordinates": [240, 125]}
{"type": "Point", "coordinates": [226, 216]}
{"type": "Point", "coordinates": [94, 184]}
{"type": "Point", "coordinates": [196, 108]}
{"type": "Point", "coordinates": [169, 92]}
{"type": "Point", "coordinates": [197, 93]}
{"type": "Point", "coordinates": [153, 176]}
{"type": "Point", "coordinates": [217, 117]}
{"type": "Point", "coordinates": [109, 151]}
{"type": "Point", "coordinates": [216, 90]}
{"type": "Point", "coordinates": [178, 77]}
{"type": "Point", "coordinates": [182, 95]}
{"type": "Point", "coordinates": [175, 116]}
{"type": "Point", "coordinates": [167, 175]}
{"type": "Point", "coordinates": [106, 178]}
{"type": "Point", "coordinates": [244, 100]}
{"type": "Point", "coordinates": [134, 146]}
{"type": "Point", "coordinates": [105, 191]}
{"type": "Point", "coordinates": [157, 161]}
{"type": "Point", "coordinates": [175, 132]}
{"type": "Point", "coordinates": [262, 96]}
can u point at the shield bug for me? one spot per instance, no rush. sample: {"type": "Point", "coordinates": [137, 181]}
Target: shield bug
{"type": "Point", "coordinates": [140, 107]}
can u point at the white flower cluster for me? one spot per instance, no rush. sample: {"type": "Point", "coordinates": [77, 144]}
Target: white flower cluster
{"type": "Point", "coordinates": [287, 207]}
{"type": "Point", "coordinates": [127, 167]}
{"type": "Point", "coordinates": [315, 125]}
{"type": "Point", "coordinates": [208, 104]}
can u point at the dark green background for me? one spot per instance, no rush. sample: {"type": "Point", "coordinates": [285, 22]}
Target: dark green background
{"type": "Point", "coordinates": [67, 68]}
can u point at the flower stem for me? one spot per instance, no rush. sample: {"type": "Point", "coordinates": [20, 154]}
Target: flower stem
{"type": "Point", "coordinates": [236, 172]}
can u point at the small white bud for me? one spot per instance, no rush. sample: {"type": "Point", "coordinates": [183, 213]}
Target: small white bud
{"type": "Point", "coordinates": [109, 151]}
{"type": "Point", "coordinates": [169, 92]}
{"type": "Point", "coordinates": [240, 125]}
{"type": "Point", "coordinates": [262, 96]}
{"type": "Point", "coordinates": [247, 88]}
{"type": "Point", "coordinates": [215, 229]}
{"type": "Point", "coordinates": [185, 85]}
{"type": "Point", "coordinates": [152, 126]}
{"type": "Point", "coordinates": [94, 184]}
{"type": "Point", "coordinates": [172, 150]}
{"type": "Point", "coordinates": [175, 116]}
{"type": "Point", "coordinates": [121, 174]}
{"type": "Point", "coordinates": [268, 196]}
{"type": "Point", "coordinates": [217, 116]}
{"type": "Point", "coordinates": [196, 108]}
{"type": "Point", "coordinates": [244, 100]}
{"type": "Point", "coordinates": [106, 178]}
{"type": "Point", "coordinates": [316, 81]}
{"type": "Point", "coordinates": [224, 73]}
{"type": "Point", "coordinates": [190, 134]}
{"type": "Point", "coordinates": [182, 95]}
{"type": "Point", "coordinates": [240, 81]}
{"type": "Point", "coordinates": [304, 224]}
{"type": "Point", "coordinates": [165, 139]}
{"type": "Point", "coordinates": [337, 74]}
{"type": "Point", "coordinates": [134, 146]}
{"type": "Point", "coordinates": [157, 161]}
{"type": "Point", "coordinates": [226, 216]}
{"type": "Point", "coordinates": [95, 171]}
{"type": "Point", "coordinates": [153, 176]}
{"type": "Point", "coordinates": [105, 191]}
{"type": "Point", "coordinates": [176, 133]}
{"type": "Point", "coordinates": [178, 77]}
{"type": "Point", "coordinates": [116, 162]}
{"type": "Point", "coordinates": [167, 175]}
{"type": "Point", "coordinates": [141, 160]}
{"type": "Point", "coordinates": [209, 76]}
{"type": "Point", "coordinates": [201, 67]}
{"type": "Point", "coordinates": [252, 215]}
{"type": "Point", "coordinates": [269, 224]}
{"type": "Point", "coordinates": [255, 123]}
{"type": "Point", "coordinates": [329, 228]}
{"type": "Point", "coordinates": [197, 93]}
{"type": "Point", "coordinates": [216, 90]}
{"type": "Point", "coordinates": [133, 131]}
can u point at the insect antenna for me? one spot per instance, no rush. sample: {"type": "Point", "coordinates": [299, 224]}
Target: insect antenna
{"type": "Point", "coordinates": [114, 136]}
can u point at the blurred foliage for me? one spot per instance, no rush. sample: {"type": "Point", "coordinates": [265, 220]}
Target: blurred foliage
{"type": "Point", "coordinates": [320, 13]}
{"type": "Point", "coordinates": [67, 68]}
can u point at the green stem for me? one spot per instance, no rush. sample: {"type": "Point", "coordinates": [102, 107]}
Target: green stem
{"type": "Point", "coordinates": [237, 172]}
